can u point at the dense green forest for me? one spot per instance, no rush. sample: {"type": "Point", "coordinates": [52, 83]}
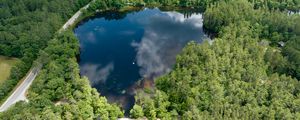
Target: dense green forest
{"type": "Point", "coordinates": [245, 73]}
{"type": "Point", "coordinates": [271, 25]}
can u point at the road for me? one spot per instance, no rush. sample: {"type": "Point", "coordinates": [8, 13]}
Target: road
{"type": "Point", "coordinates": [72, 20]}
{"type": "Point", "coordinates": [20, 93]}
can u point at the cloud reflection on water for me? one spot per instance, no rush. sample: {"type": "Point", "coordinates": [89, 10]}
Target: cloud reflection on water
{"type": "Point", "coordinates": [164, 37]}
{"type": "Point", "coordinates": [97, 73]}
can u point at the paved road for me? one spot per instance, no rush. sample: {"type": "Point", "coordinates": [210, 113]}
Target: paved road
{"type": "Point", "coordinates": [20, 93]}
{"type": "Point", "coordinates": [71, 20]}
{"type": "Point", "coordinates": [74, 18]}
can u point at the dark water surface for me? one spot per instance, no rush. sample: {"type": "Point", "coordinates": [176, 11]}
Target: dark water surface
{"type": "Point", "coordinates": [118, 49]}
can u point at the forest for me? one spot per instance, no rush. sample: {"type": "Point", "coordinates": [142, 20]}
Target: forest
{"type": "Point", "coordinates": [26, 26]}
{"type": "Point", "coordinates": [251, 70]}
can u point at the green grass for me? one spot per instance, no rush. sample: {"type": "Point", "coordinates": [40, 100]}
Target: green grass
{"type": "Point", "coordinates": [6, 64]}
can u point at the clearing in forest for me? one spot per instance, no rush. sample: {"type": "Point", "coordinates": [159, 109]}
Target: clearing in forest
{"type": "Point", "coordinates": [6, 64]}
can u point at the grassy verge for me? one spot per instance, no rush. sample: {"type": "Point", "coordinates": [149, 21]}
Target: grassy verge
{"type": "Point", "coordinates": [6, 63]}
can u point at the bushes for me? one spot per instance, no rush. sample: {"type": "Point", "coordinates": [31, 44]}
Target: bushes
{"type": "Point", "coordinates": [136, 112]}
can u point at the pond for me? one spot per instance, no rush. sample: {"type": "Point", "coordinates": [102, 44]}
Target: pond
{"type": "Point", "coordinates": [119, 49]}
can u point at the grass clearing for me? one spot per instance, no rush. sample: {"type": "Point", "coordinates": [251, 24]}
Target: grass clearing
{"type": "Point", "coordinates": [6, 63]}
